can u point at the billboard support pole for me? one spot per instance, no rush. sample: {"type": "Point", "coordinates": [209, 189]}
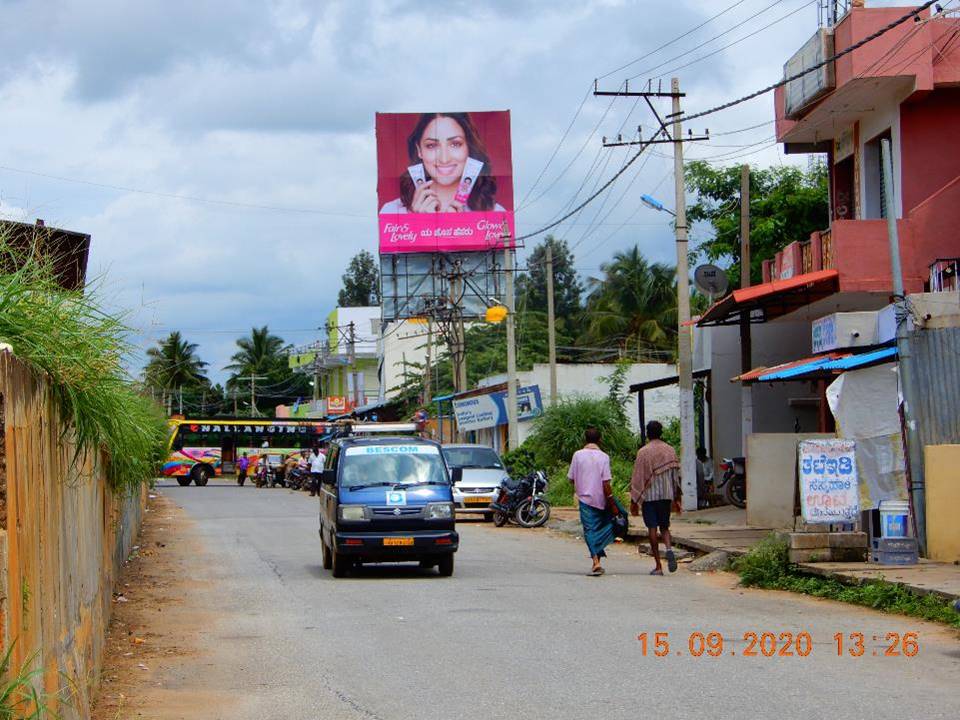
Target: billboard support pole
{"type": "Point", "coordinates": [513, 439]}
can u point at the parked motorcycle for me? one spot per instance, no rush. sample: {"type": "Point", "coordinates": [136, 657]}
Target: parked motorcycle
{"type": "Point", "coordinates": [733, 486]}
{"type": "Point", "coordinates": [521, 501]}
{"type": "Point", "coordinates": [298, 478]}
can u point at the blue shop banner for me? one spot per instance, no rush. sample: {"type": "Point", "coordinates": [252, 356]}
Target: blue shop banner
{"type": "Point", "coordinates": [483, 411]}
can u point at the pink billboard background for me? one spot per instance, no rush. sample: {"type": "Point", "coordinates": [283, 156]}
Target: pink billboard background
{"type": "Point", "coordinates": [445, 181]}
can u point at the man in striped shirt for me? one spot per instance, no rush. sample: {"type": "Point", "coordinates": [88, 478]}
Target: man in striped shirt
{"type": "Point", "coordinates": [654, 487]}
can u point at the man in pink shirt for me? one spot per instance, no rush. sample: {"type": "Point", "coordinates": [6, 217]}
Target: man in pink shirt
{"type": "Point", "coordinates": [590, 475]}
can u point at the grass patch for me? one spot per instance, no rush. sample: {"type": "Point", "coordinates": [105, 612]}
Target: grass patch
{"type": "Point", "coordinates": [81, 348]}
{"type": "Point", "coordinates": [767, 566]}
{"type": "Point", "coordinates": [19, 697]}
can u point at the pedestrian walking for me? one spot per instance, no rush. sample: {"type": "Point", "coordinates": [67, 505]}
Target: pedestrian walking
{"type": "Point", "coordinates": [317, 460]}
{"type": "Point", "coordinates": [654, 488]}
{"type": "Point", "coordinates": [243, 464]}
{"type": "Point", "coordinates": [590, 475]}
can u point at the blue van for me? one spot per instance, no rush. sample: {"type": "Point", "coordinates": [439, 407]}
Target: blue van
{"type": "Point", "coordinates": [386, 499]}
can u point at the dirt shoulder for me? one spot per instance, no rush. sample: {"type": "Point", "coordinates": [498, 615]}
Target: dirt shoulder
{"type": "Point", "coordinates": [155, 665]}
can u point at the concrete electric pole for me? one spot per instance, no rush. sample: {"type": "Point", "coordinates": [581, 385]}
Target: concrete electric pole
{"type": "Point", "coordinates": [688, 458]}
{"type": "Point", "coordinates": [746, 352]}
{"type": "Point", "coordinates": [551, 330]}
{"type": "Point", "coordinates": [904, 355]}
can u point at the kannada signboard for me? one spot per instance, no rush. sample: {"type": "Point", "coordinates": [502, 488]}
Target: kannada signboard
{"type": "Point", "coordinates": [829, 491]}
{"type": "Point", "coordinates": [445, 181]}
{"type": "Point", "coordinates": [483, 411]}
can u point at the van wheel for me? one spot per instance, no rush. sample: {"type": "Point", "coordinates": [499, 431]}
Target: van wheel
{"type": "Point", "coordinates": [183, 481]}
{"type": "Point", "coordinates": [445, 566]}
{"type": "Point", "coordinates": [339, 564]}
{"type": "Point", "coordinates": [326, 555]}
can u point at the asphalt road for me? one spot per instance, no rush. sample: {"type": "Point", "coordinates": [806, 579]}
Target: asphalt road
{"type": "Point", "coordinates": [519, 631]}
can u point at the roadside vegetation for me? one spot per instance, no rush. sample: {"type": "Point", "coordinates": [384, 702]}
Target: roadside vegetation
{"type": "Point", "coordinates": [767, 566]}
{"type": "Point", "coordinates": [81, 348]}
{"type": "Point", "coordinates": [19, 698]}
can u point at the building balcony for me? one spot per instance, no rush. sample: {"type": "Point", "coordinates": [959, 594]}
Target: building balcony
{"type": "Point", "coordinates": [816, 110]}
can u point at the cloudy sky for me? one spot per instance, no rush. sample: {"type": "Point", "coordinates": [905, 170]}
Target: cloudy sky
{"type": "Point", "coordinates": [221, 154]}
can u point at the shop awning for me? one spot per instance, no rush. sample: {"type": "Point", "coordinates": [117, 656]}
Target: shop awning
{"type": "Point", "coordinates": [772, 299]}
{"type": "Point", "coordinates": [818, 367]}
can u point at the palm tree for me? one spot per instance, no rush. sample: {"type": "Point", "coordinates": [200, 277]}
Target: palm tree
{"type": "Point", "coordinates": [174, 364]}
{"type": "Point", "coordinates": [260, 354]}
{"type": "Point", "coordinates": [635, 303]}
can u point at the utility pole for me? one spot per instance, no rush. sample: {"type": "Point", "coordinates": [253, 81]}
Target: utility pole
{"type": "Point", "coordinates": [513, 438]}
{"type": "Point", "coordinates": [551, 330]}
{"type": "Point", "coordinates": [253, 393]}
{"type": "Point", "coordinates": [746, 350]}
{"type": "Point", "coordinates": [235, 411]}
{"type": "Point", "coordinates": [905, 357]}
{"type": "Point", "coordinates": [352, 359]}
{"type": "Point", "coordinates": [181, 399]}
{"type": "Point", "coordinates": [673, 133]}
{"type": "Point", "coordinates": [688, 460]}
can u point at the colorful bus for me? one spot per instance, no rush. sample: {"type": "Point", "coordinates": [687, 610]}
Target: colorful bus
{"type": "Point", "coordinates": [201, 449]}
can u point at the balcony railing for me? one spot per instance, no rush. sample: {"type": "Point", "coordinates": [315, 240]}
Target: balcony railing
{"type": "Point", "coordinates": [806, 257]}
{"type": "Point", "coordinates": [826, 249]}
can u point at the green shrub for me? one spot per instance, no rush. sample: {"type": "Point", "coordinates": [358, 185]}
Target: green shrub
{"type": "Point", "coordinates": [558, 433]}
{"type": "Point", "coordinates": [520, 462]}
{"type": "Point", "coordinates": [766, 564]}
{"type": "Point", "coordinates": [81, 348]}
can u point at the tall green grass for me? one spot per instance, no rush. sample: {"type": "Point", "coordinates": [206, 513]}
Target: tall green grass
{"type": "Point", "coordinates": [81, 348]}
{"type": "Point", "coordinates": [19, 698]}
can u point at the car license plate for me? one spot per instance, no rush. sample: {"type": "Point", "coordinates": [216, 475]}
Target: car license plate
{"type": "Point", "coordinates": [398, 541]}
{"type": "Point", "coordinates": [477, 500]}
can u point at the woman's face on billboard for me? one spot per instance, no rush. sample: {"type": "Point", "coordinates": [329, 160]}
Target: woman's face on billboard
{"type": "Point", "coordinates": [443, 150]}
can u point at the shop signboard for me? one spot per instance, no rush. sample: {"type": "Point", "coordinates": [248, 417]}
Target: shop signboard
{"type": "Point", "coordinates": [829, 491]}
{"type": "Point", "coordinates": [824, 334]}
{"type": "Point", "coordinates": [445, 181]}
{"type": "Point", "coordinates": [484, 411]}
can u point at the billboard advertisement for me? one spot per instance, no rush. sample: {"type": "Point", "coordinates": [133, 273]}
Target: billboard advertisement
{"type": "Point", "coordinates": [444, 181]}
{"type": "Point", "coordinates": [483, 411]}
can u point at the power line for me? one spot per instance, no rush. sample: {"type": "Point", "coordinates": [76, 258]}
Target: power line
{"type": "Point", "coordinates": [671, 42]}
{"type": "Point", "coordinates": [682, 55]}
{"type": "Point", "coordinates": [813, 68]}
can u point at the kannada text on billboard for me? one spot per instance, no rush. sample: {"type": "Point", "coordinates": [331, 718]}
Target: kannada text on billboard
{"type": "Point", "coordinates": [445, 181]}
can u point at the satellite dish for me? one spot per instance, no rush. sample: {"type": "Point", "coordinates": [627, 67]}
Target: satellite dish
{"type": "Point", "coordinates": [711, 281]}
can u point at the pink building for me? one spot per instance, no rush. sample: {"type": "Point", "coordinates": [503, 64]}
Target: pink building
{"type": "Point", "coordinates": [903, 86]}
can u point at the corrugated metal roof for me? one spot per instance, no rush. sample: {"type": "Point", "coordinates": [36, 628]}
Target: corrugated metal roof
{"type": "Point", "coordinates": [811, 365]}
{"type": "Point", "coordinates": [936, 374]}
{"type": "Point", "coordinates": [775, 298]}
{"type": "Point", "coordinates": [862, 360]}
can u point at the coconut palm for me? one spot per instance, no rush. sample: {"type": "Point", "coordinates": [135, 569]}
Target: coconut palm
{"type": "Point", "coordinates": [261, 353]}
{"type": "Point", "coordinates": [634, 302]}
{"type": "Point", "coordinates": [173, 363]}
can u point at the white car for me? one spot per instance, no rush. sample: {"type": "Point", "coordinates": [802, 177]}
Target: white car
{"type": "Point", "coordinates": [482, 471]}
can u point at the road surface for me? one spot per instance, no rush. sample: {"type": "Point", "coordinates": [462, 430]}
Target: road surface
{"type": "Point", "coordinates": [521, 632]}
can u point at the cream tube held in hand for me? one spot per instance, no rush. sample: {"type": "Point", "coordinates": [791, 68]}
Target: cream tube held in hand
{"type": "Point", "coordinates": [417, 174]}
{"type": "Point", "coordinates": [471, 171]}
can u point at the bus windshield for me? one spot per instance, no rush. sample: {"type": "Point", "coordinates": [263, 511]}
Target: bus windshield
{"type": "Point", "coordinates": [372, 465]}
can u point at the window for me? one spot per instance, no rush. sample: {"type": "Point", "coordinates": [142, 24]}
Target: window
{"type": "Point", "coordinates": [874, 203]}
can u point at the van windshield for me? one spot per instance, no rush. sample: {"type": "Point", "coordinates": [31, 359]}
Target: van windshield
{"type": "Point", "coordinates": [472, 457]}
{"type": "Point", "coordinates": [388, 465]}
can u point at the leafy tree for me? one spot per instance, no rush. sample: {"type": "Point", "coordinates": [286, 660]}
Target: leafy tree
{"type": "Point", "coordinates": [634, 303]}
{"type": "Point", "coordinates": [173, 363]}
{"type": "Point", "coordinates": [786, 204]}
{"type": "Point", "coordinates": [361, 282]}
{"type": "Point", "coordinates": [532, 287]}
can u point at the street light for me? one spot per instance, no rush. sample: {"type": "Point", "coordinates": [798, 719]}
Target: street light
{"type": "Point", "coordinates": [655, 204]}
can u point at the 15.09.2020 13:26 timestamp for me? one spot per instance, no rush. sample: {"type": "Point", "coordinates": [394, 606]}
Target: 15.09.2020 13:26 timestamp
{"type": "Point", "coordinates": [784, 644]}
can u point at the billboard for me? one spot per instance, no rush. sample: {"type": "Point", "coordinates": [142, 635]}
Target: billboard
{"type": "Point", "coordinates": [444, 181]}
{"type": "Point", "coordinates": [483, 411]}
